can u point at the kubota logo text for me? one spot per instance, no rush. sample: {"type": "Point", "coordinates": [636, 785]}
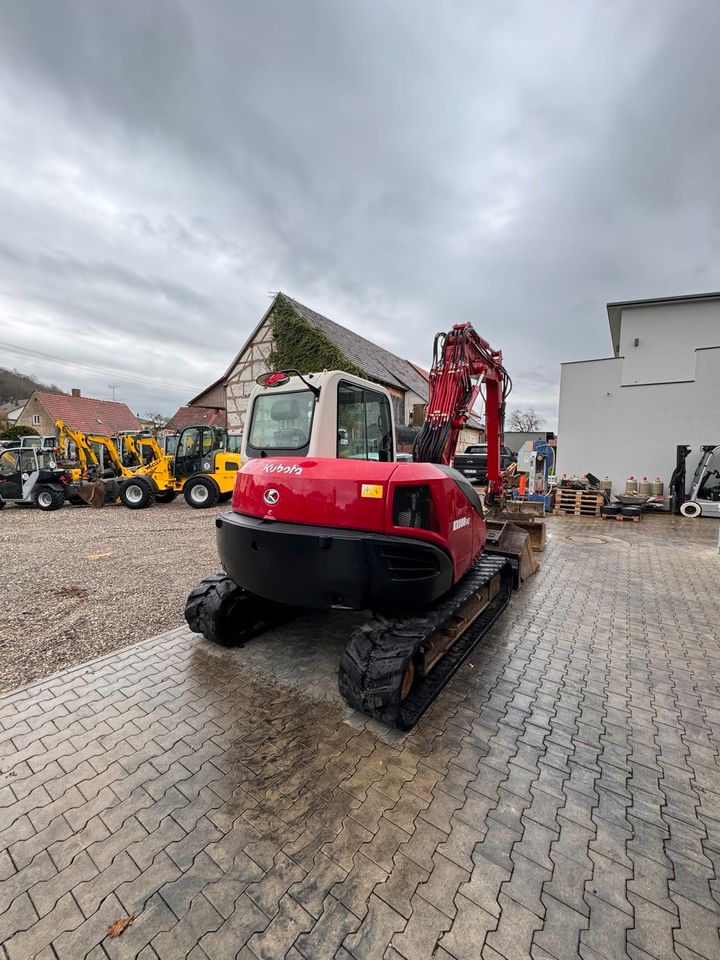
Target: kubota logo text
{"type": "Point", "coordinates": [282, 468]}
{"type": "Point", "coordinates": [462, 522]}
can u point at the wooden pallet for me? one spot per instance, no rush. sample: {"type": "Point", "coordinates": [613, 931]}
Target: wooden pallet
{"type": "Point", "coordinates": [580, 503]}
{"type": "Point", "coordinates": [619, 516]}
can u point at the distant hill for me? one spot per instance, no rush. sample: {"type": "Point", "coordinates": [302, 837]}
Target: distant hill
{"type": "Point", "coordinates": [17, 386]}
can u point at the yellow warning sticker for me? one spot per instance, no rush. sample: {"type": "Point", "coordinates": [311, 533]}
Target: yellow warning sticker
{"type": "Point", "coordinates": [372, 490]}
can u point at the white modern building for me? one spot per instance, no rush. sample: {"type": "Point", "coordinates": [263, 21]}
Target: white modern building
{"type": "Point", "coordinates": [625, 415]}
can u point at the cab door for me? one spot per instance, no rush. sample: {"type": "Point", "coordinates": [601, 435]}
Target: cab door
{"type": "Point", "coordinates": [10, 475]}
{"type": "Point", "coordinates": [194, 450]}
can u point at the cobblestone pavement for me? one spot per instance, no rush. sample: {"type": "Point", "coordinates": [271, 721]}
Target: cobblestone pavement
{"type": "Point", "coordinates": [561, 799]}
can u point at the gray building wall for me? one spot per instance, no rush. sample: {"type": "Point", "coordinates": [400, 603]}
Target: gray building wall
{"type": "Point", "coordinates": [613, 428]}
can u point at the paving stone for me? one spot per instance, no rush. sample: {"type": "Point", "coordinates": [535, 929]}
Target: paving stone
{"type": "Point", "coordinates": [376, 931]}
{"type": "Point", "coordinates": [526, 884]}
{"type": "Point", "coordinates": [65, 916]}
{"type": "Point", "coordinates": [419, 939]}
{"type": "Point", "coordinates": [405, 812]}
{"type": "Point", "coordinates": [609, 882]}
{"type": "Point", "coordinates": [270, 889]}
{"type": "Point", "coordinates": [198, 920]}
{"type": "Point", "coordinates": [560, 933]}
{"type": "Point", "coordinates": [422, 845]}
{"type": "Point", "coordinates": [568, 882]}
{"type": "Point", "coordinates": [224, 892]}
{"type": "Point", "coordinates": [357, 886]}
{"type": "Point", "coordinates": [607, 930]}
{"type": "Point", "coordinates": [326, 937]}
{"type": "Point", "coordinates": [25, 850]}
{"type": "Point", "coordinates": [653, 929]}
{"type": "Point", "coordinates": [155, 918]}
{"type": "Point", "coordinates": [39, 871]}
{"type": "Point", "coordinates": [514, 932]}
{"type": "Point", "coordinates": [228, 939]}
{"type": "Point", "coordinates": [442, 885]}
{"type": "Point", "coordinates": [698, 928]}
{"type": "Point", "coordinates": [692, 880]}
{"type": "Point", "coordinates": [311, 891]}
{"type": "Point", "coordinates": [134, 894]}
{"type": "Point", "coordinates": [384, 845]}
{"type": "Point", "coordinates": [131, 834]}
{"type": "Point", "coordinates": [401, 884]}
{"type": "Point", "coordinates": [85, 940]}
{"type": "Point", "coordinates": [179, 892]}
{"type": "Point", "coordinates": [290, 922]}
{"type": "Point", "coordinates": [19, 917]}
{"type": "Point", "coordinates": [466, 936]}
{"type": "Point", "coordinates": [305, 847]}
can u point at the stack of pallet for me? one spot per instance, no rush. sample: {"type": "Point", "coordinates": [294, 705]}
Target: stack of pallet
{"type": "Point", "coordinates": [581, 503]}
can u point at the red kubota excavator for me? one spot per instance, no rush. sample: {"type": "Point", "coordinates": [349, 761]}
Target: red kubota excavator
{"type": "Point", "coordinates": [323, 517]}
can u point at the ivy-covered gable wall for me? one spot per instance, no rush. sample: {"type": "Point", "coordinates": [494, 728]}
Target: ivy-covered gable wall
{"type": "Point", "coordinates": [298, 345]}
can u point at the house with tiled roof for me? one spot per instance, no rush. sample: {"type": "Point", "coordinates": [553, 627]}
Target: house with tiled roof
{"type": "Point", "coordinates": [84, 414]}
{"type": "Point", "coordinates": [300, 337]}
{"type": "Point", "coordinates": [191, 416]}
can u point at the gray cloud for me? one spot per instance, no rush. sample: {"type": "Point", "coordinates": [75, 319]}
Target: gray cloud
{"type": "Point", "coordinates": [164, 166]}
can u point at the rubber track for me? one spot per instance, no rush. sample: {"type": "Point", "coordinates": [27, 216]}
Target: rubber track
{"type": "Point", "coordinates": [228, 615]}
{"type": "Point", "coordinates": [374, 662]}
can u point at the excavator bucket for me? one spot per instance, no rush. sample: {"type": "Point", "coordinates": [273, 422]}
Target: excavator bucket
{"type": "Point", "coordinates": [97, 493]}
{"type": "Point", "coordinates": [508, 540]}
{"type": "Point", "coordinates": [92, 492]}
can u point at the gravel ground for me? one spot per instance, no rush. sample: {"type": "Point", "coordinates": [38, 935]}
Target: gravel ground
{"type": "Point", "coordinates": [79, 583]}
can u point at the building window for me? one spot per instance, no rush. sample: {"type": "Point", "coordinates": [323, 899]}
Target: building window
{"type": "Point", "coordinates": [36, 419]}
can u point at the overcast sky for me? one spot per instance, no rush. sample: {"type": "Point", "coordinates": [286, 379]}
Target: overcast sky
{"type": "Point", "coordinates": [399, 166]}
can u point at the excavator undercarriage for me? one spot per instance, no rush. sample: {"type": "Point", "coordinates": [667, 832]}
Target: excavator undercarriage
{"type": "Point", "coordinates": [392, 667]}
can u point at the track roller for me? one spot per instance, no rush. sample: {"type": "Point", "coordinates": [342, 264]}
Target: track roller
{"type": "Point", "coordinates": [228, 615]}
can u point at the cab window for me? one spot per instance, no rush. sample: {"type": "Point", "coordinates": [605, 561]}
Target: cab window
{"type": "Point", "coordinates": [364, 424]}
{"type": "Point", "coordinates": [8, 463]}
{"type": "Point", "coordinates": [282, 421]}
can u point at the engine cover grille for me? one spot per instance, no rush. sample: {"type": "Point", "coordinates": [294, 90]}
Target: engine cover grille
{"type": "Point", "coordinates": [412, 507]}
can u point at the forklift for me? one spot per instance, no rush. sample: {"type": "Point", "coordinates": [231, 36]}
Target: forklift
{"type": "Point", "coordinates": [704, 497]}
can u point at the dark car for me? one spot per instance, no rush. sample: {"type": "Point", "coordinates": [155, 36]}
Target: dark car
{"type": "Point", "coordinates": [473, 463]}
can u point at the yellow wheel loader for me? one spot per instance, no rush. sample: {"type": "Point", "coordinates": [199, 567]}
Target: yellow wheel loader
{"type": "Point", "coordinates": [202, 470]}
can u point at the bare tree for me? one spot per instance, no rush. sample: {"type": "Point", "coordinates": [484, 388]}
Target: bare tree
{"type": "Point", "coordinates": [525, 421]}
{"type": "Point", "coordinates": [159, 420]}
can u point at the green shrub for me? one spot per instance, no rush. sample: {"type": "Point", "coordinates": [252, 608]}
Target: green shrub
{"type": "Point", "coordinates": [15, 433]}
{"type": "Point", "coordinates": [298, 345]}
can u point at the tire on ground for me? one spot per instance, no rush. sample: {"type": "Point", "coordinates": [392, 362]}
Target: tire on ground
{"type": "Point", "coordinates": [610, 510]}
{"type": "Point", "coordinates": [136, 493]}
{"type": "Point", "coordinates": [201, 492]}
{"type": "Point", "coordinates": [45, 498]}
{"type": "Point", "coordinates": [691, 509]}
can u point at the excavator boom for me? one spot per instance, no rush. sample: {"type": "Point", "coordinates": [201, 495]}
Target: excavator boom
{"type": "Point", "coordinates": [462, 364]}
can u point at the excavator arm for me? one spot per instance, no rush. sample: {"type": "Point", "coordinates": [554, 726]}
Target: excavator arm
{"type": "Point", "coordinates": [464, 363]}
{"type": "Point", "coordinates": [87, 457]}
